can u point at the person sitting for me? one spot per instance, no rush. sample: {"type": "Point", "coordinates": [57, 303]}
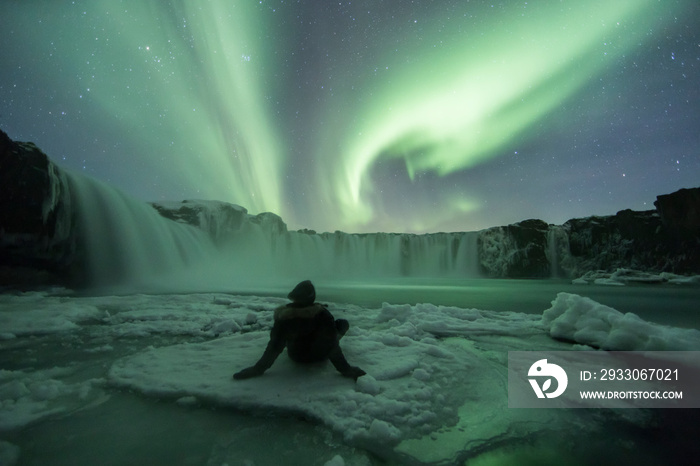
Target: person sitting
{"type": "Point", "coordinates": [309, 332]}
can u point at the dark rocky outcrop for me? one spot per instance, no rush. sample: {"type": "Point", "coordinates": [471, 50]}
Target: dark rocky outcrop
{"type": "Point", "coordinates": [515, 251]}
{"type": "Point", "coordinates": [680, 213]}
{"type": "Point", "coordinates": [36, 246]}
{"type": "Point", "coordinates": [628, 239]}
{"type": "Point", "coordinates": [680, 216]}
{"type": "Point", "coordinates": [662, 240]}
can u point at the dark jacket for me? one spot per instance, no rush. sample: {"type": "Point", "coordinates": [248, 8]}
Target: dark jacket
{"type": "Point", "coordinates": [310, 334]}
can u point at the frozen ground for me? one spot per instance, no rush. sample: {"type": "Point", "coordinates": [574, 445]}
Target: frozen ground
{"type": "Point", "coordinates": [435, 393]}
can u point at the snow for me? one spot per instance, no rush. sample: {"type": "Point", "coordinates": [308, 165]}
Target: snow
{"type": "Point", "coordinates": [437, 375]}
{"type": "Point", "coordinates": [218, 219]}
{"type": "Point", "coordinates": [337, 460]}
{"type": "Point", "coordinates": [27, 396]}
{"type": "Point", "coordinates": [582, 320]}
{"type": "Point", "coordinates": [408, 394]}
{"type": "Point", "coordinates": [32, 315]}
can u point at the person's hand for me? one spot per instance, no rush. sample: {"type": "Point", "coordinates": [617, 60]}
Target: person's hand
{"type": "Point", "coordinates": [248, 373]}
{"type": "Point", "coordinates": [354, 373]}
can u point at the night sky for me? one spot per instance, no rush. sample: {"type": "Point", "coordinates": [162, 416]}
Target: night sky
{"type": "Point", "coordinates": [363, 116]}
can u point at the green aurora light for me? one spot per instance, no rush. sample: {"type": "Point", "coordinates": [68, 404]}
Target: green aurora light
{"type": "Point", "coordinates": [451, 110]}
{"type": "Point", "coordinates": [206, 86]}
{"type": "Point", "coordinates": [204, 96]}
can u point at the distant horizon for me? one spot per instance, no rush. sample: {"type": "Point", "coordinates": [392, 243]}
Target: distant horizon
{"type": "Point", "coordinates": [301, 229]}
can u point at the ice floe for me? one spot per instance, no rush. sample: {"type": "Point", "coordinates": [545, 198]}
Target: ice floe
{"type": "Point", "coordinates": [436, 389]}
{"type": "Point", "coordinates": [582, 320]}
{"type": "Point", "coordinates": [622, 276]}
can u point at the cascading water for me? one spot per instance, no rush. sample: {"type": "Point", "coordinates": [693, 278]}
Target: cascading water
{"type": "Point", "coordinates": [127, 242]}
{"type": "Point", "coordinates": [552, 253]}
{"type": "Point", "coordinates": [558, 251]}
{"type": "Point", "coordinates": [374, 255]}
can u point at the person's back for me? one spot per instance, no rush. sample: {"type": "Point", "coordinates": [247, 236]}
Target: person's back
{"type": "Point", "coordinates": [309, 332]}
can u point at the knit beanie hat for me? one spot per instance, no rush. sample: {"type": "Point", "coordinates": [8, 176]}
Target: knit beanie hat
{"type": "Point", "coordinates": [303, 293]}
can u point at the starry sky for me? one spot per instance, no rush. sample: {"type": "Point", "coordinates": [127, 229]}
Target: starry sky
{"type": "Point", "coordinates": [364, 116]}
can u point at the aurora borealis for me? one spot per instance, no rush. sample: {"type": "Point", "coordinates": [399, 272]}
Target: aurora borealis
{"type": "Point", "coordinates": [365, 115]}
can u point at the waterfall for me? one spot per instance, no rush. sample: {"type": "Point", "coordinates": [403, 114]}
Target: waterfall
{"type": "Point", "coordinates": [125, 242]}
{"type": "Point", "coordinates": [552, 254]}
{"type": "Point", "coordinates": [468, 255]}
{"type": "Point", "coordinates": [557, 243]}
{"type": "Point", "coordinates": [376, 255]}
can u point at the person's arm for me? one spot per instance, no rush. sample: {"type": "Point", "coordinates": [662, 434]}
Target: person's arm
{"type": "Point", "coordinates": [341, 364]}
{"type": "Point", "coordinates": [274, 348]}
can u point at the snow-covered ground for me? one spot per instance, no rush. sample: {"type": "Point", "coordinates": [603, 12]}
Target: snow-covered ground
{"type": "Point", "coordinates": [436, 389]}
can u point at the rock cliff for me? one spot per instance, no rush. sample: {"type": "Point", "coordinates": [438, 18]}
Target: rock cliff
{"type": "Point", "coordinates": [36, 241]}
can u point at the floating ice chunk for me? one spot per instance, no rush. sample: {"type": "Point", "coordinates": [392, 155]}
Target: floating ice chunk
{"type": "Point", "coordinates": [26, 397]}
{"type": "Point", "coordinates": [607, 282]}
{"type": "Point", "coordinates": [624, 276]}
{"type": "Point", "coordinates": [680, 280]}
{"type": "Point", "coordinates": [32, 313]}
{"type": "Point", "coordinates": [636, 276]}
{"type": "Point", "coordinates": [582, 320]}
